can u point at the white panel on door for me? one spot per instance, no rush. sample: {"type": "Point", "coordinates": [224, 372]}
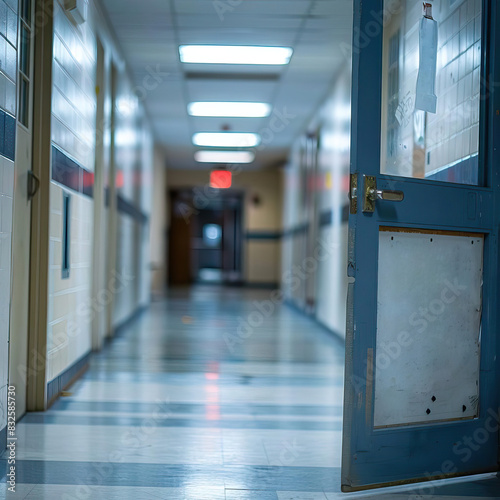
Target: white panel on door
{"type": "Point", "coordinates": [428, 326]}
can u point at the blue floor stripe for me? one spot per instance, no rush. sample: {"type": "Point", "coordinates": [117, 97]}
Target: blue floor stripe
{"type": "Point", "coordinates": [265, 478]}
{"type": "Point", "coordinates": [199, 379]}
{"type": "Point", "coordinates": [197, 409]}
{"type": "Point", "coordinates": [44, 418]}
{"type": "Point", "coordinates": [255, 478]}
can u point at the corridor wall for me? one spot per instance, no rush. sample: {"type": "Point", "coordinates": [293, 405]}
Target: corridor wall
{"type": "Point", "coordinates": [159, 224]}
{"type": "Point", "coordinates": [133, 159]}
{"type": "Point", "coordinates": [123, 143]}
{"type": "Point", "coordinates": [263, 193]}
{"type": "Point", "coordinates": [315, 214]}
{"type": "Point", "coordinates": [8, 78]}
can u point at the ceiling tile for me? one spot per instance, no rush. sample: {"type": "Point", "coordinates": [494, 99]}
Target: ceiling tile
{"type": "Point", "coordinates": [150, 33]}
{"type": "Point", "coordinates": [220, 90]}
{"type": "Point", "coordinates": [223, 10]}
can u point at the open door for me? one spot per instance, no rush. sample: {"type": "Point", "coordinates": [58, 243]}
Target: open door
{"type": "Point", "coordinates": [26, 186]}
{"type": "Point", "coordinates": [422, 385]}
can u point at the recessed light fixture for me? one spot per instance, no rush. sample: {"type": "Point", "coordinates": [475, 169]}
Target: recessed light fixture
{"type": "Point", "coordinates": [234, 54]}
{"type": "Point", "coordinates": [224, 156]}
{"type": "Point", "coordinates": [230, 109]}
{"type": "Point", "coordinates": [226, 139]}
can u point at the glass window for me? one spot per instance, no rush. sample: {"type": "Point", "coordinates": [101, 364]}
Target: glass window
{"type": "Point", "coordinates": [25, 51]}
{"type": "Point", "coordinates": [422, 136]}
{"type": "Point", "coordinates": [26, 10]}
{"type": "Point", "coordinates": [66, 237]}
{"type": "Point", "coordinates": [24, 96]}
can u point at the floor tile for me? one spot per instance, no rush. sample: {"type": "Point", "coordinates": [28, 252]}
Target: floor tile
{"type": "Point", "coordinates": [71, 492]}
{"type": "Point", "coordinates": [250, 495]}
{"type": "Point", "coordinates": [167, 411]}
{"type": "Point", "coordinates": [21, 491]}
{"type": "Point", "coordinates": [294, 495]}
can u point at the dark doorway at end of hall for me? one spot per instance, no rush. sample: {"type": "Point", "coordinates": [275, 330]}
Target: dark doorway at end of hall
{"type": "Point", "coordinates": [205, 237]}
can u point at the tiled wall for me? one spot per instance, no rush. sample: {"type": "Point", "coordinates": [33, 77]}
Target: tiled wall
{"type": "Point", "coordinates": [334, 159]}
{"type": "Point", "coordinates": [72, 303]}
{"type": "Point", "coordinates": [134, 167]}
{"type": "Point", "coordinates": [6, 195]}
{"type": "Point", "coordinates": [315, 262]}
{"type": "Point", "coordinates": [8, 55]}
{"type": "Point", "coordinates": [69, 315]}
{"type": "Point", "coordinates": [73, 133]}
{"type": "Point", "coordinates": [432, 144]}
{"type": "Point", "coordinates": [159, 224]}
{"type": "Point", "coordinates": [73, 98]}
{"type": "Point", "coordinates": [146, 204]}
{"type": "Point", "coordinates": [8, 69]}
{"type": "Point", "coordinates": [125, 296]}
{"type": "Point", "coordinates": [453, 132]}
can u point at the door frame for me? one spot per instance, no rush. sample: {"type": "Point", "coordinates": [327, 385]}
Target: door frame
{"type": "Point", "coordinates": [25, 188]}
{"type": "Point", "coordinates": [39, 250]}
{"type": "Point", "coordinates": [99, 239]}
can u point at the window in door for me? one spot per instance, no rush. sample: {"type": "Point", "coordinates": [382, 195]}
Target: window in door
{"type": "Point", "coordinates": [25, 63]}
{"type": "Point", "coordinates": [444, 145]}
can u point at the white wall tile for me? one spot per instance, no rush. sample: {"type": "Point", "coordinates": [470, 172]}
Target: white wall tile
{"type": "Point", "coordinates": [65, 349]}
{"type": "Point", "coordinates": [3, 18]}
{"type": "Point", "coordinates": [7, 185]}
{"type": "Point", "coordinates": [12, 4]}
{"type": "Point", "coordinates": [3, 406]}
{"type": "Point", "coordinates": [10, 61]}
{"type": "Point", "coordinates": [5, 251]}
{"type": "Point", "coordinates": [11, 27]}
{"type": "Point", "coordinates": [74, 99]}
{"type": "Point", "coordinates": [10, 97]}
{"type": "Point", "coordinates": [4, 353]}
{"type": "Point", "coordinates": [73, 130]}
{"type": "Point", "coordinates": [6, 214]}
{"type": "Point", "coordinates": [3, 79]}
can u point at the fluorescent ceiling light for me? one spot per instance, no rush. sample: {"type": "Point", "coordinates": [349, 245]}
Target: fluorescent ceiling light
{"type": "Point", "coordinates": [226, 139]}
{"type": "Point", "coordinates": [230, 109]}
{"type": "Point", "coordinates": [234, 54]}
{"type": "Point", "coordinates": [224, 156]}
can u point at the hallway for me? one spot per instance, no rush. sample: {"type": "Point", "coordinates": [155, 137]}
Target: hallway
{"type": "Point", "coordinates": [227, 412]}
{"type": "Point", "coordinates": [173, 411]}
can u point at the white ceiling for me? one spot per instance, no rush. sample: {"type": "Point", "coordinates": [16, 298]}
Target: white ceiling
{"type": "Point", "coordinates": [150, 32]}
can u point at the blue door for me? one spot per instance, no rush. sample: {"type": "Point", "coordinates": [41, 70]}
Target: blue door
{"type": "Point", "coordinates": [422, 380]}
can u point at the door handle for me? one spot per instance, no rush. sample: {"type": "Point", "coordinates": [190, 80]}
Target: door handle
{"type": "Point", "coordinates": [33, 184]}
{"type": "Point", "coordinates": [388, 195]}
{"type": "Point", "coordinates": [371, 194]}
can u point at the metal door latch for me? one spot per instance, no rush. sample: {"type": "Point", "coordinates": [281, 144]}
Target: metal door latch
{"type": "Point", "coordinates": [353, 194]}
{"type": "Point", "coordinates": [33, 184]}
{"type": "Point", "coordinates": [371, 194]}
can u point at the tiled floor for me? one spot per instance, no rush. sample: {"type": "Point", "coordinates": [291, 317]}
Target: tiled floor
{"type": "Point", "coordinates": [209, 395]}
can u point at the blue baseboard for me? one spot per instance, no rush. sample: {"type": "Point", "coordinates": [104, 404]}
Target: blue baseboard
{"type": "Point", "coordinates": [242, 284]}
{"type": "Point", "coordinates": [77, 369]}
{"type": "Point", "coordinates": [297, 307]}
{"type": "Point", "coordinates": [292, 305]}
{"type": "Point", "coordinates": [66, 378]}
{"type": "Point", "coordinates": [262, 285]}
{"type": "Point", "coordinates": [121, 327]}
